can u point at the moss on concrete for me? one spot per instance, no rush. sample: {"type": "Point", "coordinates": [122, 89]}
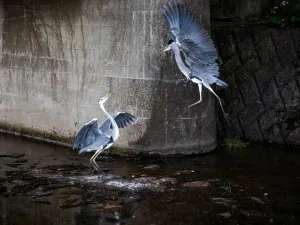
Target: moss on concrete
{"type": "Point", "coordinates": [18, 129]}
{"type": "Point", "coordinates": [54, 138]}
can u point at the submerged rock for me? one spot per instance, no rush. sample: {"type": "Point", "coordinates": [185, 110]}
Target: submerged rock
{"type": "Point", "coordinates": [225, 215]}
{"type": "Point", "coordinates": [184, 172]}
{"type": "Point", "coordinates": [155, 180]}
{"type": "Point", "coordinates": [11, 155]}
{"type": "Point", "coordinates": [14, 165]}
{"type": "Point", "coordinates": [40, 193]}
{"type": "Point", "coordinates": [258, 200]}
{"type": "Point", "coordinates": [197, 184]}
{"type": "Point", "coordinates": [142, 183]}
{"type": "Point", "coordinates": [112, 208]}
{"type": "Point", "coordinates": [223, 201]}
{"type": "Point", "coordinates": [19, 183]}
{"type": "Point", "coordinates": [54, 186]}
{"type": "Point", "coordinates": [151, 167]}
{"type": "Point", "coordinates": [168, 180]}
{"type": "Point", "coordinates": [251, 213]}
{"type": "Point", "coordinates": [42, 202]}
{"type": "Point", "coordinates": [21, 161]}
{"type": "Point", "coordinates": [73, 202]}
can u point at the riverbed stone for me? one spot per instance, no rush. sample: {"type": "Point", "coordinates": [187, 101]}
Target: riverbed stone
{"type": "Point", "coordinates": [19, 183]}
{"type": "Point", "coordinates": [197, 184]}
{"type": "Point", "coordinates": [225, 215]}
{"type": "Point", "coordinates": [151, 167]}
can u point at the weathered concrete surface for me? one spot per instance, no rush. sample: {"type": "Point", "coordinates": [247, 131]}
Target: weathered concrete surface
{"type": "Point", "coordinates": [250, 9]}
{"type": "Point", "coordinates": [60, 57]}
{"type": "Point", "coordinates": [262, 67]}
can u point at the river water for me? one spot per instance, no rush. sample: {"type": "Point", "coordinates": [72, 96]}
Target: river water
{"type": "Point", "coordinates": [46, 184]}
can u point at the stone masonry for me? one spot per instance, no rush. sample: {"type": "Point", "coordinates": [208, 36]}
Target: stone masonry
{"type": "Point", "coordinates": [58, 58]}
{"type": "Point", "coordinates": [262, 68]}
{"type": "Point", "coordinates": [240, 9]}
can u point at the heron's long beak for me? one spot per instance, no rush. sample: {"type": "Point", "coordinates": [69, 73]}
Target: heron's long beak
{"type": "Point", "coordinates": [168, 48]}
{"type": "Point", "coordinates": [106, 96]}
{"type": "Point", "coordinates": [109, 94]}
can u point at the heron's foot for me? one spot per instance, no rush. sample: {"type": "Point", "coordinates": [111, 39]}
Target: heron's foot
{"type": "Point", "coordinates": [96, 167]}
{"type": "Point", "coordinates": [100, 172]}
{"type": "Point", "coordinates": [198, 102]}
{"type": "Point", "coordinates": [226, 116]}
{"type": "Point", "coordinates": [184, 111]}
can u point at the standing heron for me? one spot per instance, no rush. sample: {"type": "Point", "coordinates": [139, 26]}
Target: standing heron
{"type": "Point", "coordinates": [93, 138]}
{"type": "Point", "coordinates": [187, 36]}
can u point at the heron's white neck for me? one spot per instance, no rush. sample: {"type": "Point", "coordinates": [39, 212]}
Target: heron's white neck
{"type": "Point", "coordinates": [116, 132]}
{"type": "Point", "coordinates": [181, 65]}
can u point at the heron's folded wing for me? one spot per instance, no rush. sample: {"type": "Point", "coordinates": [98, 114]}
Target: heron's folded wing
{"type": "Point", "coordinates": [87, 134]}
{"type": "Point", "coordinates": [99, 143]}
{"type": "Point", "coordinates": [122, 119]}
{"type": "Point", "coordinates": [192, 38]}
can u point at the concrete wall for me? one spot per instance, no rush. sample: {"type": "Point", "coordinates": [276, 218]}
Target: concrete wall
{"type": "Point", "coordinates": [60, 57]}
{"type": "Point", "coordinates": [262, 67]}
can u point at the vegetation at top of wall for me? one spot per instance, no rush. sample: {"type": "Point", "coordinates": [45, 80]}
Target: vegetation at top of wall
{"type": "Point", "coordinates": [285, 14]}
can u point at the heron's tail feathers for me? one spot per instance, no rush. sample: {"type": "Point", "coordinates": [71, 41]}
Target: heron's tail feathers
{"type": "Point", "coordinates": [221, 83]}
{"type": "Point", "coordinates": [82, 151]}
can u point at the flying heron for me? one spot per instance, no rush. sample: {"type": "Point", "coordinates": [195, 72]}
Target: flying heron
{"type": "Point", "coordinates": [93, 138]}
{"type": "Point", "coordinates": [187, 36]}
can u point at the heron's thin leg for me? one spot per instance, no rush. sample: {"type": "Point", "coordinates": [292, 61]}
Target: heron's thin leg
{"type": "Point", "coordinates": [93, 162]}
{"type": "Point", "coordinates": [94, 159]}
{"type": "Point", "coordinates": [209, 88]}
{"type": "Point", "coordinates": [200, 92]}
{"type": "Point", "coordinates": [95, 166]}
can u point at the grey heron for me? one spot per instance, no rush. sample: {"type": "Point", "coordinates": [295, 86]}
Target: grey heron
{"type": "Point", "coordinates": [187, 36]}
{"type": "Point", "coordinates": [93, 138]}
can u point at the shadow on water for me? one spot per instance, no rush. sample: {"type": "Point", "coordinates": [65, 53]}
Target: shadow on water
{"type": "Point", "coordinates": [43, 184]}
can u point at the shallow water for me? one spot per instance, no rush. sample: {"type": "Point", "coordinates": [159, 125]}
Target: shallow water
{"type": "Point", "coordinates": [46, 184]}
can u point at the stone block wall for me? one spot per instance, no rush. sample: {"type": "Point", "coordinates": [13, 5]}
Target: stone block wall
{"type": "Point", "coordinates": [58, 58]}
{"type": "Point", "coordinates": [240, 9]}
{"type": "Point", "coordinates": [262, 68]}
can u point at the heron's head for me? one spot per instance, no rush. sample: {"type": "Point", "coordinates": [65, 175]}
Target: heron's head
{"type": "Point", "coordinates": [103, 99]}
{"type": "Point", "coordinates": [169, 46]}
{"type": "Point", "coordinates": [172, 40]}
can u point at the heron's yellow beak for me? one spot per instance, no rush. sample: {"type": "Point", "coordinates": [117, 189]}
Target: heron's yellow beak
{"type": "Point", "coordinates": [168, 48]}
{"type": "Point", "coordinates": [109, 94]}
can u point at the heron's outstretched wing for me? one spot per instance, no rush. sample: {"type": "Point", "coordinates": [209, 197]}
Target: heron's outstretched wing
{"type": "Point", "coordinates": [87, 134]}
{"type": "Point", "coordinates": [193, 40]}
{"type": "Point", "coordinates": [122, 119]}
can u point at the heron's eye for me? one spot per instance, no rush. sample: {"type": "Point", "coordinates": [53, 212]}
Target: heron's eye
{"type": "Point", "coordinates": [170, 41]}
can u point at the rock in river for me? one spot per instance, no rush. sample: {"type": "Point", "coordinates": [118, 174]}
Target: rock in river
{"type": "Point", "coordinates": [197, 184]}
